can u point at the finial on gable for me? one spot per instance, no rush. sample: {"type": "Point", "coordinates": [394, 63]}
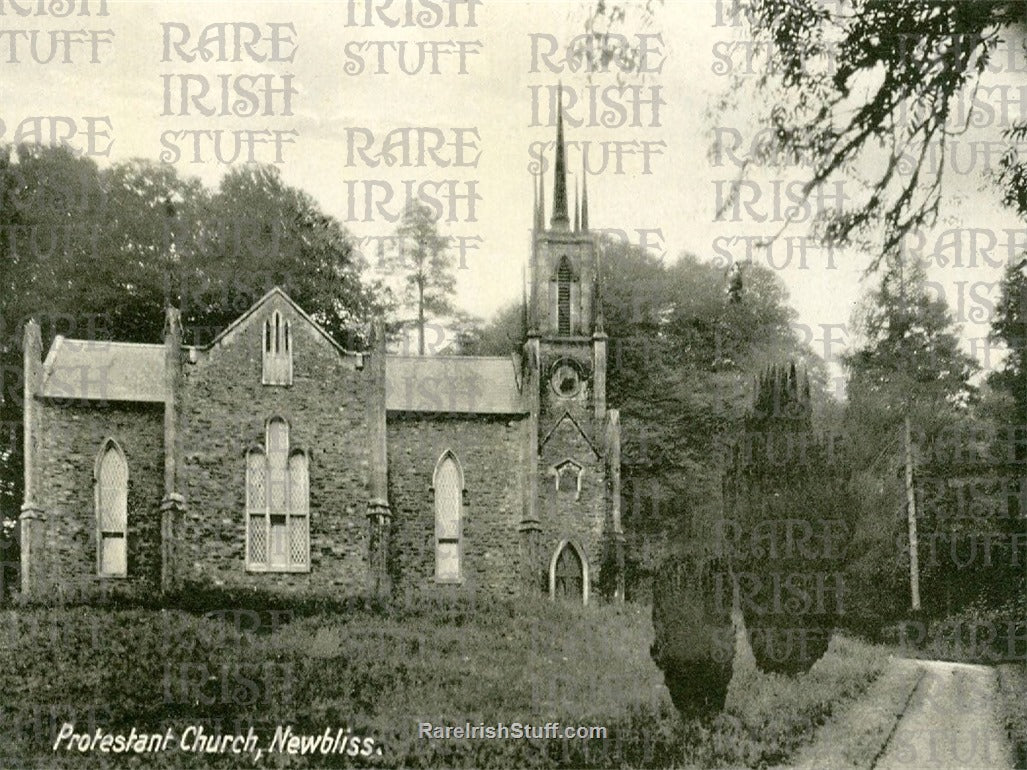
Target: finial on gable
{"type": "Point", "coordinates": [172, 322]}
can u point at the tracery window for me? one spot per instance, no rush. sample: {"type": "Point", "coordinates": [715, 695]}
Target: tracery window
{"type": "Point", "coordinates": [277, 351]}
{"type": "Point", "coordinates": [277, 504]}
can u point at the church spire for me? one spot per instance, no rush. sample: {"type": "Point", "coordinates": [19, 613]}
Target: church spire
{"type": "Point", "coordinates": [534, 205]}
{"type": "Point", "coordinates": [540, 204]}
{"type": "Point", "coordinates": [525, 324]}
{"type": "Point", "coordinates": [577, 210]}
{"type": "Point", "coordinates": [560, 219]}
{"type": "Point", "coordinates": [584, 196]}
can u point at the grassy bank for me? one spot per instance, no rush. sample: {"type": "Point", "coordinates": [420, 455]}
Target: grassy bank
{"type": "Point", "coordinates": [857, 734]}
{"type": "Point", "coordinates": [1012, 680]}
{"type": "Point", "coordinates": [979, 633]}
{"type": "Point", "coordinates": [770, 717]}
{"type": "Point", "coordinates": [381, 673]}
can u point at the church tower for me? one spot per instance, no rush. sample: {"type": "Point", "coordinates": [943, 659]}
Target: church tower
{"type": "Point", "coordinates": [565, 305]}
{"type": "Point", "coordinates": [572, 522]}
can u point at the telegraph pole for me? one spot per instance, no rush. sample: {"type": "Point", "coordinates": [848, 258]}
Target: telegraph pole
{"type": "Point", "coordinates": [914, 557]}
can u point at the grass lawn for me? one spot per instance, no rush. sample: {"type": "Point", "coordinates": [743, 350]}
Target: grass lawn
{"type": "Point", "coordinates": [381, 673]}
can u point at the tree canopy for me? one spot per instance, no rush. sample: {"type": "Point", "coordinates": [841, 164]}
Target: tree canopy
{"type": "Point", "coordinates": [424, 265]}
{"type": "Point", "coordinates": [868, 90]}
{"type": "Point", "coordinates": [96, 253]}
{"type": "Point", "coordinates": [686, 341]}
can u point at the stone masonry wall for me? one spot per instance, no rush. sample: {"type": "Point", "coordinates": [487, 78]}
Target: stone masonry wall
{"type": "Point", "coordinates": [489, 451]}
{"type": "Point", "coordinates": [71, 435]}
{"type": "Point", "coordinates": [567, 514]}
{"type": "Point", "coordinates": [225, 411]}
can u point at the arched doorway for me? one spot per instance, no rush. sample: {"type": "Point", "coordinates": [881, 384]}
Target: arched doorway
{"type": "Point", "coordinates": [568, 574]}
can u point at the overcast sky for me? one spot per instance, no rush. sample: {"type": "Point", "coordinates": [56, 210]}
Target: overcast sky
{"type": "Point", "coordinates": [502, 95]}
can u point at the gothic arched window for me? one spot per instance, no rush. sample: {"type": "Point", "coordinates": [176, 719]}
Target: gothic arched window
{"type": "Point", "coordinates": [111, 478]}
{"type": "Point", "coordinates": [448, 485]}
{"type": "Point", "coordinates": [277, 504]}
{"type": "Point", "coordinates": [564, 276]}
{"type": "Point", "coordinates": [277, 351]}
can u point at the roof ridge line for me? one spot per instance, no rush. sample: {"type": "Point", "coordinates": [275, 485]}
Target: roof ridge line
{"type": "Point", "coordinates": [115, 342]}
{"type": "Point", "coordinates": [415, 356]}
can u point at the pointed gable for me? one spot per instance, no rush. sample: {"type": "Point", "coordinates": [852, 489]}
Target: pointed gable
{"type": "Point", "coordinates": [277, 294]}
{"type": "Point", "coordinates": [568, 431]}
{"type": "Point", "coordinates": [102, 370]}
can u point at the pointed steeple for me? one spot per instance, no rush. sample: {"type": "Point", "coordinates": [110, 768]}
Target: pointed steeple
{"type": "Point", "coordinates": [524, 303]}
{"type": "Point", "coordinates": [584, 196]}
{"type": "Point", "coordinates": [540, 204]}
{"type": "Point", "coordinates": [577, 211]}
{"type": "Point", "coordinates": [533, 267]}
{"type": "Point", "coordinates": [534, 205]}
{"type": "Point", "coordinates": [560, 219]}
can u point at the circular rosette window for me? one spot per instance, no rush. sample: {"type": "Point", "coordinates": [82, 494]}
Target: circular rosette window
{"type": "Point", "coordinates": [566, 378]}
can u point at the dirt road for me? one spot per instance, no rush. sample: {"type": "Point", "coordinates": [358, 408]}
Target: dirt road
{"type": "Point", "coordinates": [952, 721]}
{"type": "Point", "coordinates": [918, 714]}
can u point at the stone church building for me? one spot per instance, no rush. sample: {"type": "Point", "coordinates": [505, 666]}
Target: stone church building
{"type": "Point", "coordinates": [274, 458]}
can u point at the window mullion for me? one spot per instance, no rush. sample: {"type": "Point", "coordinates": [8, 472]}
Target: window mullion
{"type": "Point", "coordinates": [267, 509]}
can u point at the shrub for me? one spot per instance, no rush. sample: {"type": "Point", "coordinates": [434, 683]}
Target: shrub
{"type": "Point", "coordinates": [694, 638]}
{"type": "Point", "coordinates": [787, 519]}
{"type": "Point", "coordinates": [379, 671]}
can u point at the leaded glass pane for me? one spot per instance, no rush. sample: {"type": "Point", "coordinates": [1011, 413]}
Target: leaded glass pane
{"type": "Point", "coordinates": [447, 560]}
{"type": "Point", "coordinates": [299, 488]}
{"type": "Point", "coordinates": [113, 559]}
{"type": "Point", "coordinates": [113, 492]}
{"type": "Point", "coordinates": [279, 542]}
{"type": "Point", "coordinates": [258, 539]}
{"type": "Point", "coordinates": [277, 455]}
{"type": "Point", "coordinates": [256, 481]}
{"type": "Point", "coordinates": [299, 536]}
{"type": "Point", "coordinates": [447, 500]}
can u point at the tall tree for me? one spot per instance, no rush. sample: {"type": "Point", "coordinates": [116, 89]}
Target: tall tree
{"type": "Point", "coordinates": [502, 335]}
{"type": "Point", "coordinates": [95, 253]}
{"type": "Point", "coordinates": [785, 478]}
{"type": "Point", "coordinates": [422, 260]}
{"type": "Point", "coordinates": [259, 232]}
{"type": "Point", "coordinates": [1009, 327]}
{"type": "Point", "coordinates": [880, 87]}
{"type": "Point", "coordinates": [908, 375]}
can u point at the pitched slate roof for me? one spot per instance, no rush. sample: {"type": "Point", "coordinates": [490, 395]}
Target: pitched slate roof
{"type": "Point", "coordinates": [276, 291]}
{"type": "Point", "coordinates": [127, 371]}
{"type": "Point", "coordinates": [104, 371]}
{"type": "Point", "coordinates": [460, 384]}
